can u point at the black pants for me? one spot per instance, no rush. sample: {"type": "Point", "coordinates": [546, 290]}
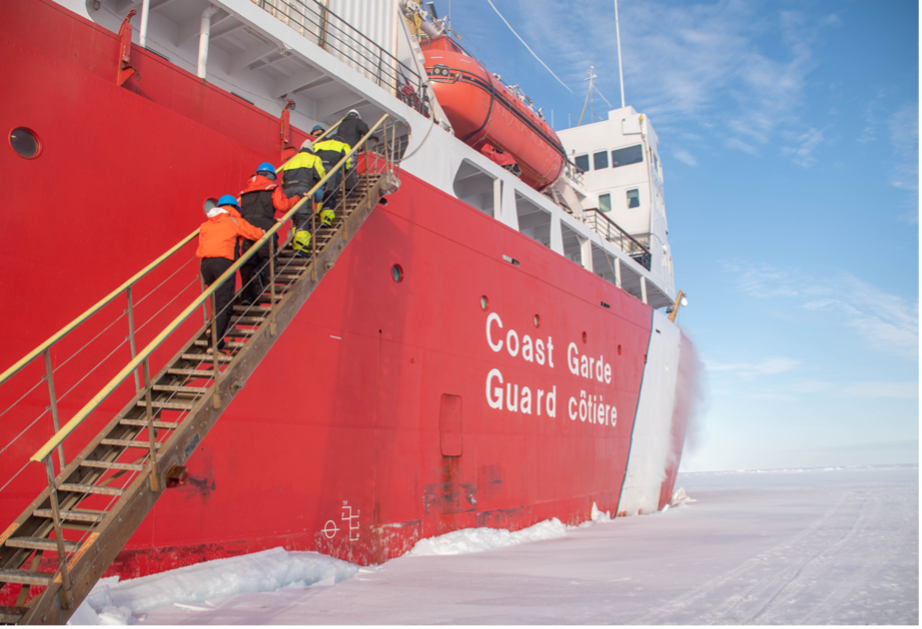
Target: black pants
{"type": "Point", "coordinates": [212, 269]}
{"type": "Point", "coordinates": [331, 192]}
{"type": "Point", "coordinates": [254, 273]}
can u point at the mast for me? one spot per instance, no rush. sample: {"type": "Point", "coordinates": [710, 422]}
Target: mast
{"type": "Point", "coordinates": [618, 34]}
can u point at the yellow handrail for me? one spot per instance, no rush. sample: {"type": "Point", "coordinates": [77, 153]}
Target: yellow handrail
{"type": "Point", "coordinates": [91, 406]}
{"type": "Point", "coordinates": [9, 373]}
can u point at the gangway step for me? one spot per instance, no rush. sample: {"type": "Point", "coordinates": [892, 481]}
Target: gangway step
{"type": "Point", "coordinates": [26, 577]}
{"type": "Point", "coordinates": [198, 373]}
{"type": "Point", "coordinates": [251, 310]}
{"type": "Point", "coordinates": [209, 357]}
{"type": "Point", "coordinates": [11, 615]}
{"type": "Point", "coordinates": [199, 343]}
{"type": "Point", "coordinates": [93, 489]}
{"type": "Point", "coordinates": [73, 515]}
{"type": "Point", "coordinates": [142, 423]}
{"type": "Point", "coordinates": [170, 406]}
{"type": "Point", "coordinates": [112, 465]}
{"type": "Point", "coordinates": [128, 443]}
{"type": "Point", "coordinates": [247, 320]}
{"type": "Point", "coordinates": [178, 388]}
{"type": "Point", "coordinates": [40, 543]}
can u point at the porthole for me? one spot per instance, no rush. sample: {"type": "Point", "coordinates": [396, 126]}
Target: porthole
{"type": "Point", "coordinates": [484, 303]}
{"type": "Point", "coordinates": [210, 204]}
{"type": "Point", "coordinates": [25, 142]}
{"type": "Point", "coordinates": [397, 273]}
{"type": "Point", "coordinates": [585, 337]}
{"type": "Point", "coordinates": [537, 321]}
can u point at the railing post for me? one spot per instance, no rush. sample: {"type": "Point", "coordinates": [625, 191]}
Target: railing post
{"type": "Point", "coordinates": [137, 382]}
{"type": "Point", "coordinates": [201, 280]}
{"type": "Point", "coordinates": [216, 396]}
{"type": "Point", "coordinates": [313, 242]}
{"type": "Point", "coordinates": [66, 596]}
{"type": "Point", "coordinates": [151, 429]}
{"type": "Point", "coordinates": [272, 286]}
{"type": "Point", "coordinates": [49, 376]}
{"type": "Point", "coordinates": [322, 36]}
{"type": "Point", "coordinates": [367, 196]}
{"type": "Point", "coordinates": [617, 271]}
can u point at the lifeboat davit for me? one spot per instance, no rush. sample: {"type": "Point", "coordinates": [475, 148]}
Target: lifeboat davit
{"type": "Point", "coordinates": [484, 112]}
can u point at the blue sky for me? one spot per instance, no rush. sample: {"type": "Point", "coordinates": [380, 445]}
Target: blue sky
{"type": "Point", "coordinates": [789, 140]}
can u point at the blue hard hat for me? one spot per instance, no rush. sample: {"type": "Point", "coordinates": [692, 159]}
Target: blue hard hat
{"type": "Point", "coordinates": [266, 167]}
{"type": "Point", "coordinates": [316, 129]}
{"type": "Point", "coordinates": [228, 199]}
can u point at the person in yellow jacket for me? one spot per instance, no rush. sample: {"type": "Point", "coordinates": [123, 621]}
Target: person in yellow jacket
{"type": "Point", "coordinates": [331, 151]}
{"type": "Point", "coordinates": [299, 174]}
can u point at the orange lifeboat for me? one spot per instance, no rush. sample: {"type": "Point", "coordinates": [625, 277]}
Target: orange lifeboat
{"type": "Point", "coordinates": [485, 112]}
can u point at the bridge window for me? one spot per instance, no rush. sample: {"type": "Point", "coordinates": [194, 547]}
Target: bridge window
{"type": "Point", "coordinates": [625, 156]}
{"type": "Point", "coordinates": [633, 198]}
{"type": "Point", "coordinates": [605, 202]}
{"type": "Point", "coordinates": [600, 160]}
{"type": "Point", "coordinates": [582, 162]}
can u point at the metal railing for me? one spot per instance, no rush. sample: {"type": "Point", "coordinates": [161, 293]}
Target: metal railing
{"type": "Point", "coordinates": [142, 358]}
{"type": "Point", "coordinates": [610, 231]}
{"type": "Point", "coordinates": [336, 36]}
{"type": "Point", "coordinates": [574, 172]}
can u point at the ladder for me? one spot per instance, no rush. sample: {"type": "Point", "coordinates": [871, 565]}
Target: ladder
{"type": "Point", "coordinates": [105, 492]}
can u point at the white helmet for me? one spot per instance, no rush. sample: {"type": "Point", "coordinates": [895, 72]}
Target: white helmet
{"type": "Point", "coordinates": [307, 144]}
{"type": "Point", "coordinates": [353, 112]}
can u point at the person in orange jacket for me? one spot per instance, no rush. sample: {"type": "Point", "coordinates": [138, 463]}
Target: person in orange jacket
{"type": "Point", "coordinates": [218, 246]}
{"type": "Point", "coordinates": [260, 203]}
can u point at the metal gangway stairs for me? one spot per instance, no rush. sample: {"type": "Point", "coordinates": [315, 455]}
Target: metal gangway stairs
{"type": "Point", "coordinates": [80, 522]}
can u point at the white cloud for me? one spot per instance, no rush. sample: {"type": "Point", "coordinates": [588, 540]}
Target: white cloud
{"type": "Point", "coordinates": [764, 280]}
{"type": "Point", "coordinates": [904, 137]}
{"type": "Point", "coordinates": [802, 155]}
{"type": "Point", "coordinates": [904, 390]}
{"type": "Point", "coordinates": [739, 145]}
{"type": "Point", "coordinates": [768, 367]}
{"type": "Point", "coordinates": [888, 322]}
{"type": "Point", "coordinates": [731, 66]}
{"type": "Point", "coordinates": [685, 157]}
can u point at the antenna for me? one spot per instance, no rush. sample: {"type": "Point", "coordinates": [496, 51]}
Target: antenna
{"type": "Point", "coordinates": [591, 78]}
{"type": "Point", "coordinates": [620, 71]}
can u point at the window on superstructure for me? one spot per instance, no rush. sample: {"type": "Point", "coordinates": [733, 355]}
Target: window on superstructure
{"type": "Point", "coordinates": [600, 160]}
{"type": "Point", "coordinates": [582, 162]}
{"type": "Point", "coordinates": [625, 156]}
{"type": "Point", "coordinates": [605, 202]}
{"type": "Point", "coordinates": [633, 198]}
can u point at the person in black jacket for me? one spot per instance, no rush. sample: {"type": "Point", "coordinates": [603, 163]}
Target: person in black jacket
{"type": "Point", "coordinates": [262, 200]}
{"type": "Point", "coordinates": [353, 128]}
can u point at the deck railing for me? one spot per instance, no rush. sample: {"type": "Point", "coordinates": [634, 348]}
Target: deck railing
{"type": "Point", "coordinates": [332, 33]}
{"type": "Point", "coordinates": [612, 232]}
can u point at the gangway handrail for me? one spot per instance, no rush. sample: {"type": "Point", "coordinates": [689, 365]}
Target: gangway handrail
{"type": "Point", "coordinates": [58, 438]}
{"type": "Point", "coordinates": [70, 327]}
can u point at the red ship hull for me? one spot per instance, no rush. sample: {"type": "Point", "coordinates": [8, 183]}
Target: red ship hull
{"type": "Point", "coordinates": [372, 422]}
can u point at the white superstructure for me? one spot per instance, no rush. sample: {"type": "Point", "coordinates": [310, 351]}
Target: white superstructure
{"type": "Point", "coordinates": [623, 182]}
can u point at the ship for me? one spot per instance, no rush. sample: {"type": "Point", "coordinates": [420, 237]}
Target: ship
{"type": "Point", "coordinates": [485, 338]}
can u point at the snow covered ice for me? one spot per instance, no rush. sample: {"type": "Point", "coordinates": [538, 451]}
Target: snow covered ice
{"type": "Point", "coordinates": [836, 546]}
